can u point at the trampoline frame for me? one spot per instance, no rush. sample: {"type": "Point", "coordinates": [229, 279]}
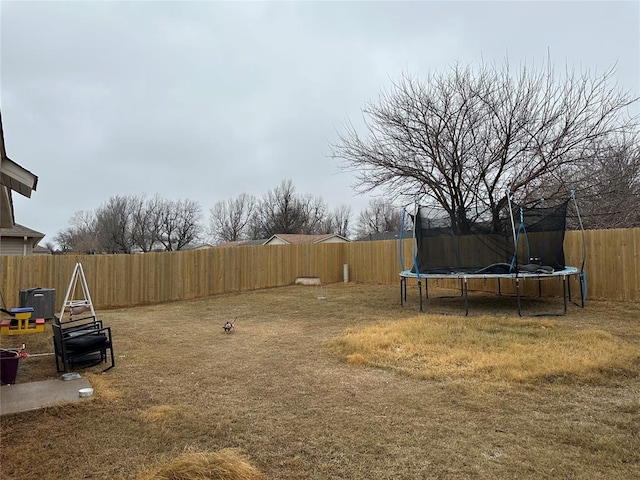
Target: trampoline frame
{"type": "Point", "coordinates": [564, 275]}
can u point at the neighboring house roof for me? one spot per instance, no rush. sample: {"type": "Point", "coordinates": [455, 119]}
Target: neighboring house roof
{"type": "Point", "coordinates": [12, 177]}
{"type": "Point", "coordinates": [228, 244]}
{"type": "Point", "coordinates": [198, 246]}
{"type": "Point", "coordinates": [385, 236]}
{"type": "Point", "coordinates": [252, 243]}
{"type": "Point", "coordinates": [242, 243]}
{"type": "Point", "coordinates": [21, 231]}
{"type": "Point", "coordinates": [40, 250]}
{"type": "Point", "coordinates": [289, 238]}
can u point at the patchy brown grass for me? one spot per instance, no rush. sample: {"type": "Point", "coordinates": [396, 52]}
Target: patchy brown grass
{"type": "Point", "coordinates": [462, 398]}
{"type": "Point", "coordinates": [227, 464]}
{"type": "Point", "coordinates": [489, 349]}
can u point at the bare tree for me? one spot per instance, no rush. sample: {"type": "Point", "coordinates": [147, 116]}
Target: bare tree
{"type": "Point", "coordinates": [315, 213]}
{"type": "Point", "coordinates": [279, 212]}
{"type": "Point", "coordinates": [81, 236]}
{"type": "Point", "coordinates": [339, 221]}
{"type": "Point", "coordinates": [65, 238]}
{"type": "Point", "coordinates": [607, 185]}
{"type": "Point", "coordinates": [462, 139]}
{"type": "Point", "coordinates": [229, 219]}
{"type": "Point", "coordinates": [282, 210]}
{"type": "Point", "coordinates": [380, 216]}
{"type": "Point", "coordinates": [179, 225]}
{"type": "Point", "coordinates": [146, 222]}
{"type": "Point", "coordinates": [612, 197]}
{"type": "Point", "coordinates": [114, 224]}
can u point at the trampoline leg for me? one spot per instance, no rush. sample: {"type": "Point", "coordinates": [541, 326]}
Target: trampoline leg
{"type": "Point", "coordinates": [462, 287]}
{"type": "Point", "coordinates": [466, 297]}
{"type": "Point", "coordinates": [405, 289]}
{"type": "Point", "coordinates": [420, 290]}
{"type": "Point", "coordinates": [518, 296]}
{"type": "Point", "coordinates": [499, 288]}
{"type": "Point", "coordinates": [564, 293]}
{"type": "Point", "coordinates": [581, 282]}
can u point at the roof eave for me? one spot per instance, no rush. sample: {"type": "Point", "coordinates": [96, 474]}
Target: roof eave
{"type": "Point", "coordinates": [17, 178]}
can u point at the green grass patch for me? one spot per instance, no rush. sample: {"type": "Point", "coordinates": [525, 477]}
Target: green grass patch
{"type": "Point", "coordinates": [502, 349]}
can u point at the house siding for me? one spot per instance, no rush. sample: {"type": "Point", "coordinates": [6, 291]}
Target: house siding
{"type": "Point", "coordinates": [15, 246]}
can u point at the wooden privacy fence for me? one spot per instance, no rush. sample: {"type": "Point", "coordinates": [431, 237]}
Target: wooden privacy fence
{"type": "Point", "coordinates": [612, 266]}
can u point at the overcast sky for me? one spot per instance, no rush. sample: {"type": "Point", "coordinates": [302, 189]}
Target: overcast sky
{"type": "Point", "coordinates": [208, 100]}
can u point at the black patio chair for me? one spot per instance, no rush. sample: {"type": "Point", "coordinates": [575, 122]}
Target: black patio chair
{"type": "Point", "coordinates": [82, 344]}
{"type": "Point", "coordinates": [75, 322]}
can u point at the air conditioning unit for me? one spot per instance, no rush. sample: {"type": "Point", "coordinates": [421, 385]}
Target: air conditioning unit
{"type": "Point", "coordinates": [43, 301]}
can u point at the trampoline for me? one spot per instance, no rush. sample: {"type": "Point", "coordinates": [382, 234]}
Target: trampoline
{"type": "Point", "coordinates": [523, 243]}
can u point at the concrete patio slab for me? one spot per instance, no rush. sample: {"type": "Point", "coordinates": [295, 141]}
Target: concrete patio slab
{"type": "Point", "coordinates": [24, 397]}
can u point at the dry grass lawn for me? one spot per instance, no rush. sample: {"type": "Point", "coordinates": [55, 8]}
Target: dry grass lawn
{"type": "Point", "coordinates": [352, 386]}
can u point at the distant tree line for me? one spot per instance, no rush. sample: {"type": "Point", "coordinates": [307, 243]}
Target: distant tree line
{"type": "Point", "coordinates": [130, 223]}
{"type": "Point", "coordinates": [283, 210]}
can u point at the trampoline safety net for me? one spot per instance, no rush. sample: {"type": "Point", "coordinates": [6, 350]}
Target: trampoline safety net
{"type": "Point", "coordinates": [526, 239]}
